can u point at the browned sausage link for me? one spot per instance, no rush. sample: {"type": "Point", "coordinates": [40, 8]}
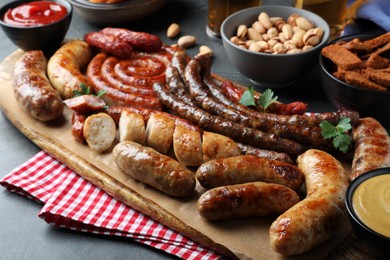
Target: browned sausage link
{"type": "Point", "coordinates": [115, 113]}
{"type": "Point", "coordinates": [269, 154]}
{"type": "Point", "coordinates": [78, 120]}
{"type": "Point", "coordinates": [32, 88]}
{"type": "Point", "coordinates": [109, 44]}
{"type": "Point", "coordinates": [199, 68]}
{"type": "Point", "coordinates": [138, 40]}
{"type": "Point", "coordinates": [246, 200]}
{"type": "Point", "coordinates": [158, 170]}
{"type": "Point", "coordinates": [113, 96]}
{"type": "Point", "coordinates": [372, 147]}
{"type": "Point", "coordinates": [248, 168]}
{"type": "Point", "coordinates": [222, 126]}
{"type": "Point", "coordinates": [108, 72]}
{"type": "Point", "coordinates": [205, 100]}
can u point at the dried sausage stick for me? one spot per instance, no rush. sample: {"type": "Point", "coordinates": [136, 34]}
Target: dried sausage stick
{"type": "Point", "coordinates": [200, 65]}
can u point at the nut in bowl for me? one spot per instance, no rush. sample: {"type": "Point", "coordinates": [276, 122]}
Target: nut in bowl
{"type": "Point", "coordinates": [29, 29]}
{"type": "Point", "coordinates": [285, 56]}
{"type": "Point", "coordinates": [348, 85]}
{"type": "Point", "coordinates": [368, 204]}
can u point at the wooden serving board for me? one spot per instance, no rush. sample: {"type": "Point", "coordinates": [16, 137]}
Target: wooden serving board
{"type": "Point", "coordinates": [243, 239]}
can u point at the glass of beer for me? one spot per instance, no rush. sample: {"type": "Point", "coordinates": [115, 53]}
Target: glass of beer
{"type": "Point", "coordinates": [220, 9]}
{"type": "Point", "coordinates": [332, 11]}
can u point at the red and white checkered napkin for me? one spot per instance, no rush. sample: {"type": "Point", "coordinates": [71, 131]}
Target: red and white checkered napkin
{"type": "Point", "coordinates": [72, 202]}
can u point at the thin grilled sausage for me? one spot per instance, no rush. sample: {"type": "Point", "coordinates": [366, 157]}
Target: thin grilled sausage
{"type": "Point", "coordinates": [246, 200]}
{"type": "Point", "coordinates": [222, 126]}
{"type": "Point", "coordinates": [372, 147]}
{"type": "Point", "coordinates": [317, 217]}
{"type": "Point", "coordinates": [32, 88]}
{"type": "Point", "coordinates": [155, 169]}
{"type": "Point", "coordinates": [248, 168]}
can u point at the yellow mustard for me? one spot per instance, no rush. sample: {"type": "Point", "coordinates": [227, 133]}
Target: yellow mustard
{"type": "Point", "coordinates": [371, 202]}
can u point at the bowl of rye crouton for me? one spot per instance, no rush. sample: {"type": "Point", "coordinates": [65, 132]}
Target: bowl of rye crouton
{"type": "Point", "coordinates": [355, 74]}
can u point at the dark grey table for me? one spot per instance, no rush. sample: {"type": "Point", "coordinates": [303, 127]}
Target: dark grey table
{"type": "Point", "coordinates": [25, 236]}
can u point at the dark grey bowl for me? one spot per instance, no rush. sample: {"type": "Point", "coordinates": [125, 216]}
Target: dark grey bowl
{"type": "Point", "coordinates": [270, 70]}
{"type": "Point", "coordinates": [44, 37]}
{"type": "Point", "coordinates": [370, 237]}
{"type": "Point", "coordinates": [342, 95]}
{"type": "Point", "coordinates": [103, 14]}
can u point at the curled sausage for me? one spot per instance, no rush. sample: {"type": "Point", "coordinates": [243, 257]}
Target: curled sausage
{"type": "Point", "coordinates": [155, 169]}
{"type": "Point", "coordinates": [317, 217]}
{"type": "Point", "coordinates": [248, 168]}
{"type": "Point", "coordinates": [64, 66]}
{"type": "Point", "coordinates": [32, 88]}
{"type": "Point", "coordinates": [112, 95]}
{"type": "Point", "coordinates": [246, 200]}
{"type": "Point", "coordinates": [372, 147]}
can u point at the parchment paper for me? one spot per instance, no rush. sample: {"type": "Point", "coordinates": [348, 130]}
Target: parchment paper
{"type": "Point", "coordinates": [243, 239]}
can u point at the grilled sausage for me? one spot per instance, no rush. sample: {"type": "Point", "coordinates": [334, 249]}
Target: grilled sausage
{"type": "Point", "coordinates": [32, 88]}
{"type": "Point", "coordinates": [316, 218]}
{"type": "Point", "coordinates": [222, 126]}
{"type": "Point", "coordinates": [112, 95]}
{"type": "Point", "coordinates": [245, 200]}
{"type": "Point", "coordinates": [372, 147]}
{"type": "Point", "coordinates": [157, 170]}
{"type": "Point", "coordinates": [109, 44]}
{"type": "Point", "coordinates": [268, 154]}
{"type": "Point", "coordinates": [64, 67]}
{"type": "Point", "coordinates": [248, 168]}
{"type": "Point", "coordinates": [85, 104]}
{"type": "Point", "coordinates": [194, 76]}
{"type": "Point", "coordinates": [140, 41]}
{"type": "Point", "coordinates": [78, 120]}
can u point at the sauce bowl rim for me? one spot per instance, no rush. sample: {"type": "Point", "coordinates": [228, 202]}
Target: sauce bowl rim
{"type": "Point", "coordinates": [350, 192]}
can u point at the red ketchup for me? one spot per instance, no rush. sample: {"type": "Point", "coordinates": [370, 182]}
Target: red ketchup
{"type": "Point", "coordinates": [35, 14]}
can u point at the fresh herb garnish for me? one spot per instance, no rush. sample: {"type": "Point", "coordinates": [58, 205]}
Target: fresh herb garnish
{"type": "Point", "coordinates": [86, 90]}
{"type": "Point", "coordinates": [264, 101]}
{"type": "Point", "coordinates": [339, 133]}
{"type": "Point", "coordinates": [248, 98]}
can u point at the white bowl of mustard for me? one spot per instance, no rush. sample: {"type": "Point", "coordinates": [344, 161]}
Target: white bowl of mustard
{"type": "Point", "coordinates": [368, 205]}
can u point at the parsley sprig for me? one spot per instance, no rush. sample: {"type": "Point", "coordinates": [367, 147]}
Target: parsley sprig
{"type": "Point", "coordinates": [339, 133]}
{"type": "Point", "coordinates": [86, 90]}
{"type": "Point", "coordinates": [264, 101]}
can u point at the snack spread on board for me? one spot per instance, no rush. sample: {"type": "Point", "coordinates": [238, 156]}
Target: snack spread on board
{"type": "Point", "coordinates": [170, 123]}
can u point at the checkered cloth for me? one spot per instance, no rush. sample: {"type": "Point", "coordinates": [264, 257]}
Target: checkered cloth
{"type": "Point", "coordinates": [72, 202]}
